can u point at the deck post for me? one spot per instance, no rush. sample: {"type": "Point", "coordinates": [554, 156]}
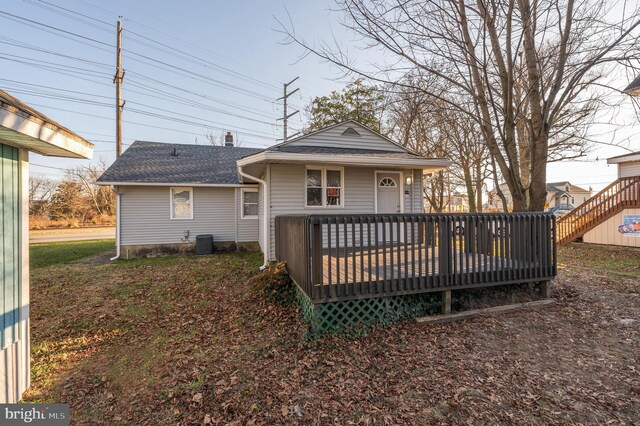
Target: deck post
{"type": "Point", "coordinates": [446, 302]}
{"type": "Point", "coordinates": [545, 289]}
{"type": "Point", "coordinates": [316, 254]}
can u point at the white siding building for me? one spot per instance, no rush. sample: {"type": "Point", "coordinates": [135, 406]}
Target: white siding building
{"type": "Point", "coordinates": [22, 130]}
{"type": "Point", "coordinates": [169, 193]}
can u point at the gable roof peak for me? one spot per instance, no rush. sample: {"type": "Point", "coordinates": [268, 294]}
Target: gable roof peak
{"type": "Point", "coordinates": [342, 123]}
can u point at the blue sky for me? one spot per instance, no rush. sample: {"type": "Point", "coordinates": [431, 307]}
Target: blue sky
{"type": "Point", "coordinates": [235, 89]}
{"type": "Point", "coordinates": [204, 63]}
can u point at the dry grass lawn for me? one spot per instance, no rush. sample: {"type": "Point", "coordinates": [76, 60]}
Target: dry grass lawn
{"type": "Point", "coordinates": [184, 341]}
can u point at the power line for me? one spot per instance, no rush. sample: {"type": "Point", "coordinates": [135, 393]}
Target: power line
{"type": "Point", "coordinates": [198, 60]}
{"type": "Point", "coordinates": [155, 126]}
{"type": "Point", "coordinates": [167, 24]}
{"type": "Point", "coordinates": [52, 7]}
{"type": "Point", "coordinates": [199, 77]}
{"type": "Point", "coordinates": [172, 36]}
{"type": "Point", "coordinates": [42, 24]}
{"type": "Point", "coordinates": [203, 123]}
{"type": "Point", "coordinates": [169, 97]}
{"type": "Point", "coordinates": [23, 45]}
{"type": "Point", "coordinates": [172, 68]}
{"type": "Point", "coordinates": [185, 90]}
{"type": "Point", "coordinates": [39, 64]}
{"type": "Point", "coordinates": [146, 59]}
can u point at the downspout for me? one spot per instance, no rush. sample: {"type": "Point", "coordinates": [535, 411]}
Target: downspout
{"type": "Point", "coordinates": [117, 256]}
{"type": "Point", "coordinates": [266, 222]}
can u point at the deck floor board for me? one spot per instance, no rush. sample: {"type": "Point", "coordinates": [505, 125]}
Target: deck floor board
{"type": "Point", "coordinates": [400, 262]}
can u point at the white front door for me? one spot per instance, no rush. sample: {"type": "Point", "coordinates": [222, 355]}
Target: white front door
{"type": "Point", "coordinates": [388, 201]}
{"type": "Point", "coordinates": [388, 192]}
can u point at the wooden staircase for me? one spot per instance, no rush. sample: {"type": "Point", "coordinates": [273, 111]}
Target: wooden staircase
{"type": "Point", "coordinates": [622, 194]}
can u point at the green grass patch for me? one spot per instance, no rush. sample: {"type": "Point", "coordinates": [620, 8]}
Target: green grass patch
{"type": "Point", "coordinates": [610, 260]}
{"type": "Point", "coordinates": [47, 254]}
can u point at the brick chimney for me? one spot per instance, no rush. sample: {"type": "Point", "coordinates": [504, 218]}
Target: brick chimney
{"type": "Point", "coordinates": [228, 139]}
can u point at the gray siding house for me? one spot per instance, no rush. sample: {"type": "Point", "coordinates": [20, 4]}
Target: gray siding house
{"type": "Point", "coordinates": [22, 129]}
{"type": "Point", "coordinates": [168, 193]}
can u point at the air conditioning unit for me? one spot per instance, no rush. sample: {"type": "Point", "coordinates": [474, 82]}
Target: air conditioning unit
{"type": "Point", "coordinates": [204, 244]}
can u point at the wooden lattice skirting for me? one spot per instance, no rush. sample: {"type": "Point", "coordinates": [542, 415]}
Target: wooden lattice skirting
{"type": "Point", "coordinates": [335, 317]}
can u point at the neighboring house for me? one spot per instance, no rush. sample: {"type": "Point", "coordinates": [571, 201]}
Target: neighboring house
{"type": "Point", "coordinates": [565, 196]}
{"type": "Point", "coordinates": [613, 215]}
{"type": "Point", "coordinates": [169, 193]}
{"type": "Point", "coordinates": [22, 129]}
{"type": "Point", "coordinates": [459, 203]}
{"type": "Point", "coordinates": [495, 202]}
{"type": "Point", "coordinates": [560, 195]}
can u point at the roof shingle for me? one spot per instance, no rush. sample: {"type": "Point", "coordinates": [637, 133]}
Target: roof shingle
{"type": "Point", "coordinates": [154, 162]}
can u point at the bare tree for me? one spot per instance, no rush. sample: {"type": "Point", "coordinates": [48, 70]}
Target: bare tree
{"type": "Point", "coordinates": [69, 203]}
{"type": "Point", "coordinates": [535, 73]}
{"type": "Point", "coordinates": [40, 191]}
{"type": "Point", "coordinates": [426, 125]}
{"type": "Point", "coordinates": [102, 198]}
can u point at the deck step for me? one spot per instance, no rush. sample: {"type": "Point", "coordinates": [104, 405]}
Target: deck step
{"type": "Point", "coordinates": [439, 319]}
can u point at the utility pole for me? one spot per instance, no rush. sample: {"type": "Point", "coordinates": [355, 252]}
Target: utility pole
{"type": "Point", "coordinates": [117, 79]}
{"type": "Point", "coordinates": [286, 116]}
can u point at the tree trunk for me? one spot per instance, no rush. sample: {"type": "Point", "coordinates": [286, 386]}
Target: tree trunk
{"type": "Point", "coordinates": [471, 190]}
{"type": "Point", "coordinates": [479, 182]}
{"type": "Point", "coordinates": [538, 187]}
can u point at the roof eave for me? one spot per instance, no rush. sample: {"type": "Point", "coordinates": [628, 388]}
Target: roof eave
{"type": "Point", "coordinates": [22, 130]}
{"type": "Point", "coordinates": [192, 184]}
{"type": "Point", "coordinates": [359, 160]}
{"type": "Point", "coordinates": [634, 156]}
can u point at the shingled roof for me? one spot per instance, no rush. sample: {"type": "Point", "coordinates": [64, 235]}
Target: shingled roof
{"type": "Point", "coordinates": [166, 163]}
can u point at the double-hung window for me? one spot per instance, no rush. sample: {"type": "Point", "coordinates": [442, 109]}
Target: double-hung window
{"type": "Point", "coordinates": [181, 203]}
{"type": "Point", "coordinates": [324, 187]}
{"type": "Point", "coordinates": [249, 203]}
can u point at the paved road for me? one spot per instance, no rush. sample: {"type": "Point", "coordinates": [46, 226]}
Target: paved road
{"type": "Point", "coordinates": [73, 235]}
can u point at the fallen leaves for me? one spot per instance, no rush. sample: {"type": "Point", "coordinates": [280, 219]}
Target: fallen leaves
{"type": "Point", "coordinates": [186, 341]}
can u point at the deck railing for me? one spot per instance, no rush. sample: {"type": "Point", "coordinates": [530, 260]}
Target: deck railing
{"type": "Point", "coordinates": [622, 193]}
{"type": "Point", "coordinates": [343, 257]}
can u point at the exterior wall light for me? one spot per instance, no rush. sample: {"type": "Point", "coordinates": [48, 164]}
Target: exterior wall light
{"type": "Point", "coordinates": [408, 181]}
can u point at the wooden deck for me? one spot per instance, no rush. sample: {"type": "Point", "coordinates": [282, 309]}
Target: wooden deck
{"type": "Point", "coordinates": [338, 257]}
{"type": "Point", "coordinates": [403, 261]}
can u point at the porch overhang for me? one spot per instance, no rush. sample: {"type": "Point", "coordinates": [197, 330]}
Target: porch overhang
{"type": "Point", "coordinates": [427, 165]}
{"type": "Point", "coordinates": [625, 158]}
{"type": "Point", "coordinates": [23, 127]}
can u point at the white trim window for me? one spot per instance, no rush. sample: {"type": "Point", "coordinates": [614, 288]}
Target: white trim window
{"type": "Point", "coordinates": [324, 187]}
{"type": "Point", "coordinates": [249, 203]}
{"type": "Point", "coordinates": [181, 202]}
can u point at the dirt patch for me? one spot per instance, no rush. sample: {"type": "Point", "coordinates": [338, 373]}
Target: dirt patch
{"type": "Point", "coordinates": [186, 341]}
{"type": "Point", "coordinates": [98, 259]}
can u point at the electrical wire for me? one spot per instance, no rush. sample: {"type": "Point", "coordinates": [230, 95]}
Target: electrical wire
{"type": "Point", "coordinates": [155, 126]}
